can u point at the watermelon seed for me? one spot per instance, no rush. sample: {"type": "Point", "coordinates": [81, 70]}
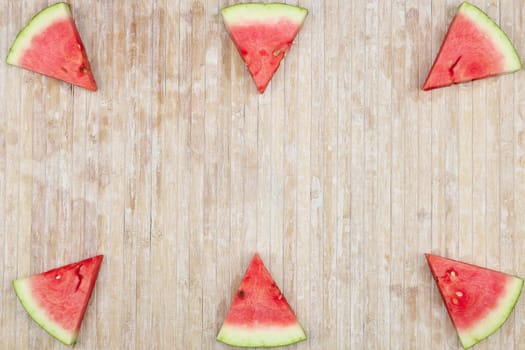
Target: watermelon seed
{"type": "Point", "coordinates": [58, 277]}
{"type": "Point", "coordinates": [452, 274]}
{"type": "Point", "coordinates": [459, 294]}
{"type": "Point", "coordinates": [277, 53]}
{"type": "Point", "coordinates": [241, 293]}
{"type": "Point", "coordinates": [455, 301]}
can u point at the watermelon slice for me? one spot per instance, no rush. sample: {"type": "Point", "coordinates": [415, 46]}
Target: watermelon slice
{"type": "Point", "coordinates": [474, 48]}
{"type": "Point", "coordinates": [50, 44]}
{"type": "Point", "coordinates": [478, 300]}
{"type": "Point", "coordinates": [263, 34]}
{"type": "Point", "coordinates": [260, 315]}
{"type": "Point", "coordinates": [57, 299]}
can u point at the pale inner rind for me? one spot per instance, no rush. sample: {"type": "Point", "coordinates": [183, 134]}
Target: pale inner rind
{"type": "Point", "coordinates": [23, 291]}
{"type": "Point", "coordinates": [267, 13]}
{"type": "Point", "coordinates": [37, 25]}
{"type": "Point", "coordinates": [263, 336]}
{"type": "Point", "coordinates": [494, 319]}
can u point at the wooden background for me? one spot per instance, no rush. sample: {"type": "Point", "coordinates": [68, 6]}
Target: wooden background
{"type": "Point", "coordinates": [341, 175]}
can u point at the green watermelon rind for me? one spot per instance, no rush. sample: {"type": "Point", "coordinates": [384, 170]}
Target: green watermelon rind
{"type": "Point", "coordinates": [496, 318]}
{"type": "Point", "coordinates": [264, 12]}
{"type": "Point", "coordinates": [22, 289]}
{"type": "Point", "coordinates": [35, 26]}
{"type": "Point", "coordinates": [263, 337]}
{"type": "Point", "coordinates": [498, 36]}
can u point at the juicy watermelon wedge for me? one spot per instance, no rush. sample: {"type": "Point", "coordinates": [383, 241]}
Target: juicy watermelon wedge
{"type": "Point", "coordinates": [260, 315]}
{"type": "Point", "coordinates": [474, 48]}
{"type": "Point", "coordinates": [57, 299]}
{"type": "Point", "coordinates": [263, 34]}
{"type": "Point", "coordinates": [50, 45]}
{"type": "Point", "coordinates": [478, 300]}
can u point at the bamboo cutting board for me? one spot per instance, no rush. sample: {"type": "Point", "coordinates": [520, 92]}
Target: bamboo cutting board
{"type": "Point", "coordinates": [341, 175]}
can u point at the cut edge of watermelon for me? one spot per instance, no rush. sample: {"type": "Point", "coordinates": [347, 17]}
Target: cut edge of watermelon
{"type": "Point", "coordinates": [38, 23]}
{"type": "Point", "coordinates": [264, 12]}
{"type": "Point", "coordinates": [23, 292]}
{"type": "Point", "coordinates": [496, 318]}
{"type": "Point", "coordinates": [498, 36]}
{"type": "Point", "coordinates": [263, 336]}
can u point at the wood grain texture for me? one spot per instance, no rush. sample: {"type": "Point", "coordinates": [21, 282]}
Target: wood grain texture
{"type": "Point", "coordinates": [341, 175]}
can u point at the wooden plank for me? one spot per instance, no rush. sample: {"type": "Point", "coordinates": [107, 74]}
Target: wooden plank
{"type": "Point", "coordinates": [344, 181]}
{"type": "Point", "coordinates": [15, 193]}
{"type": "Point", "coordinates": [518, 239]}
{"type": "Point", "coordinates": [508, 208]}
{"type": "Point", "coordinates": [399, 113]}
{"type": "Point", "coordinates": [493, 189]}
{"type": "Point", "coordinates": [211, 304]}
{"type": "Point", "coordinates": [382, 217]}
{"type": "Point", "coordinates": [161, 319]}
{"type": "Point", "coordinates": [196, 163]}
{"type": "Point", "coordinates": [6, 269]}
{"type": "Point", "coordinates": [373, 323]}
{"type": "Point", "coordinates": [316, 307]}
{"type": "Point", "coordinates": [304, 199]}
{"type": "Point", "coordinates": [358, 331]}
{"type": "Point", "coordinates": [183, 174]}
{"type": "Point", "coordinates": [225, 281]}
{"type": "Point", "coordinates": [425, 180]}
{"type": "Point", "coordinates": [105, 197]}
{"type": "Point", "coordinates": [293, 98]}
{"type": "Point", "coordinates": [411, 178]}
{"type": "Point", "coordinates": [329, 181]}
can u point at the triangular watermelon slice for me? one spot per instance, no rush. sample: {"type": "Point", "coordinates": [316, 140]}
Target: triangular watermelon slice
{"type": "Point", "coordinates": [263, 34]}
{"type": "Point", "coordinates": [50, 45]}
{"type": "Point", "coordinates": [57, 299]}
{"type": "Point", "coordinates": [474, 48]}
{"type": "Point", "coordinates": [260, 315]}
{"type": "Point", "coordinates": [478, 300]}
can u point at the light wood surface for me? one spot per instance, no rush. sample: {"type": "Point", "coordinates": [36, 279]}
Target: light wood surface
{"type": "Point", "coordinates": [341, 175]}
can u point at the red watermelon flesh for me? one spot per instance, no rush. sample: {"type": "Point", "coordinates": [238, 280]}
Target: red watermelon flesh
{"type": "Point", "coordinates": [57, 299]}
{"type": "Point", "coordinates": [259, 315]}
{"type": "Point", "coordinates": [474, 48]}
{"type": "Point", "coordinates": [263, 34]}
{"type": "Point", "coordinates": [50, 45]}
{"type": "Point", "coordinates": [478, 300]}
